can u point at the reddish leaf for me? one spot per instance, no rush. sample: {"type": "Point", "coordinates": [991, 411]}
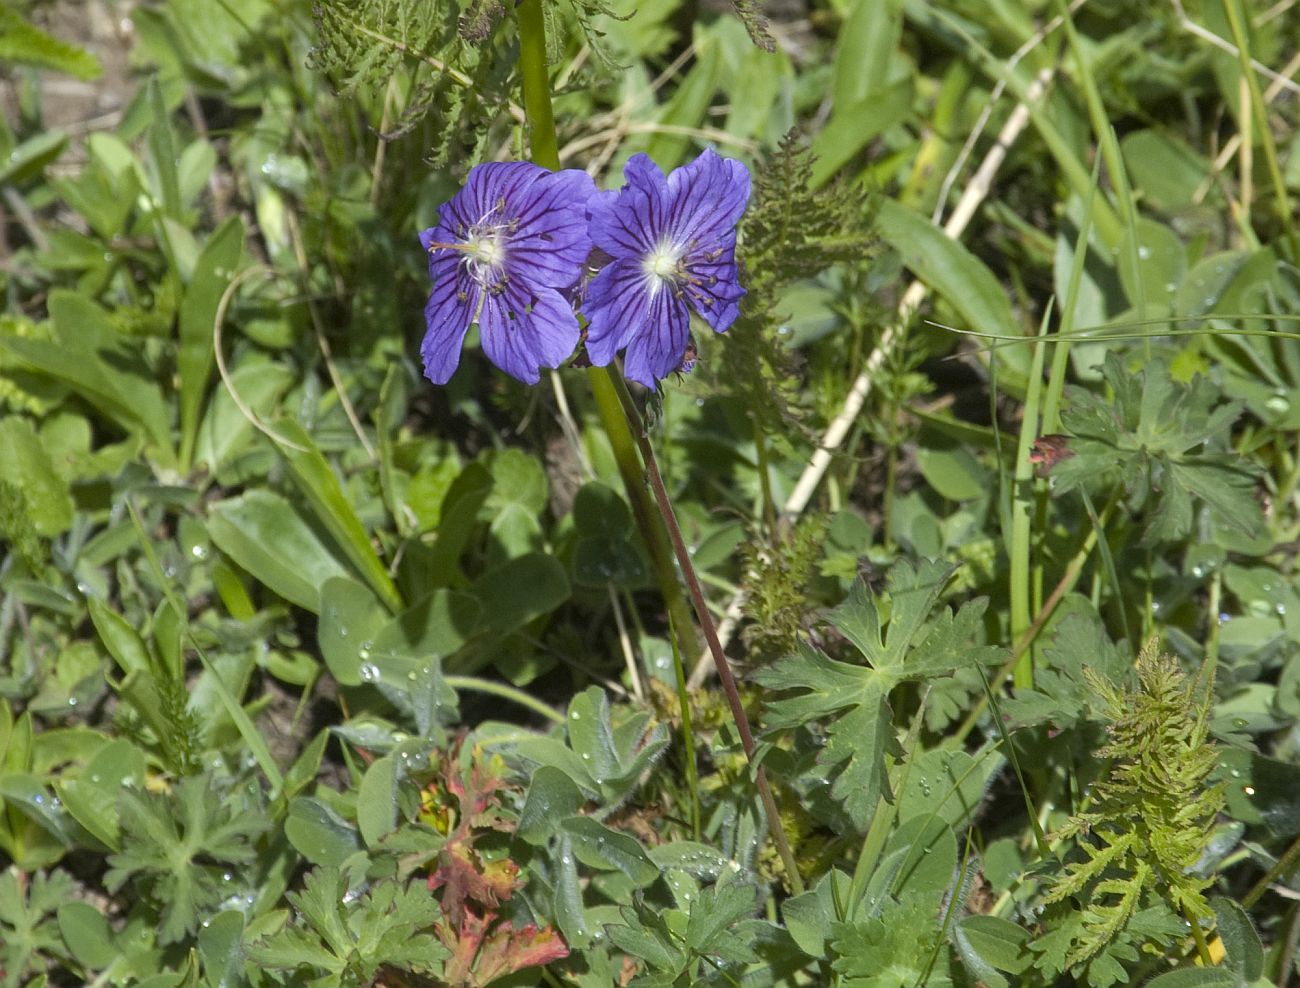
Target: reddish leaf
{"type": "Point", "coordinates": [508, 950]}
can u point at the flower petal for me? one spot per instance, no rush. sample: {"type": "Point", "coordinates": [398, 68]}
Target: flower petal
{"type": "Point", "coordinates": [707, 197]}
{"type": "Point", "coordinates": [550, 243]}
{"type": "Point", "coordinates": [491, 184]}
{"type": "Point", "coordinates": [631, 222]}
{"type": "Point", "coordinates": [658, 348]}
{"type": "Point", "coordinates": [447, 318]}
{"type": "Point", "coordinates": [617, 308]}
{"type": "Point", "coordinates": [715, 292]}
{"type": "Point", "coordinates": [526, 328]}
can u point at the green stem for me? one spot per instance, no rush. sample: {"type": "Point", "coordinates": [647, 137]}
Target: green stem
{"type": "Point", "coordinates": [544, 148]}
{"type": "Point", "coordinates": [506, 692]}
{"type": "Point", "coordinates": [537, 85]}
{"type": "Point", "coordinates": [764, 479]}
{"type": "Point", "coordinates": [652, 531]}
{"type": "Point", "coordinates": [608, 384]}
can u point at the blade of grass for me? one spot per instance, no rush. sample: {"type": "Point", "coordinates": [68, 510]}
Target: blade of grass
{"type": "Point", "coordinates": [1262, 126]}
{"type": "Point", "coordinates": [1021, 506]}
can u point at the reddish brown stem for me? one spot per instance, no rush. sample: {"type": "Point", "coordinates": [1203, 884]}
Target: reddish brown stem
{"type": "Point", "coordinates": [725, 676]}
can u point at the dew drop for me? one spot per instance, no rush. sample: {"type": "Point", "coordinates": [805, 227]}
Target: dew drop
{"type": "Point", "coordinates": [1144, 252]}
{"type": "Point", "coordinates": [574, 715]}
{"type": "Point", "coordinates": [72, 700]}
{"type": "Point", "coordinates": [369, 672]}
{"type": "Point", "coordinates": [1248, 790]}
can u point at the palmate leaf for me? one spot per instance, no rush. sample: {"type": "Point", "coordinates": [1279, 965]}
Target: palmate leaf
{"type": "Point", "coordinates": [907, 642]}
{"type": "Point", "coordinates": [181, 848]}
{"type": "Point", "coordinates": [352, 939]}
{"type": "Point", "coordinates": [1164, 441]}
{"type": "Point", "coordinates": [892, 950]}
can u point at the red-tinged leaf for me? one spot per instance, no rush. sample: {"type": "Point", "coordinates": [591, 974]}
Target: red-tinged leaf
{"type": "Point", "coordinates": [508, 950]}
{"type": "Point", "coordinates": [464, 947]}
{"type": "Point", "coordinates": [464, 878]}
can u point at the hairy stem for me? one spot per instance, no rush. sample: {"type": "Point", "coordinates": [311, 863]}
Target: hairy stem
{"type": "Point", "coordinates": [725, 676]}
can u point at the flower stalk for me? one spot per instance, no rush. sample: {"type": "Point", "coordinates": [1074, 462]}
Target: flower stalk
{"type": "Point", "coordinates": [622, 421]}
{"type": "Point", "coordinates": [725, 676]}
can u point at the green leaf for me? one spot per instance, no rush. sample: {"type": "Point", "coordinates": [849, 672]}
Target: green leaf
{"type": "Point", "coordinates": [521, 591]}
{"type": "Point", "coordinates": [459, 517]}
{"type": "Point", "coordinates": [715, 912]}
{"type": "Point", "coordinates": [1163, 167]}
{"type": "Point", "coordinates": [89, 356]}
{"type": "Point", "coordinates": [120, 639]}
{"type": "Point", "coordinates": [1167, 443]}
{"type": "Point", "coordinates": [856, 697]}
{"type": "Point", "coordinates": [31, 156]}
{"type": "Point", "coordinates": [212, 274]}
{"type": "Point", "coordinates": [865, 45]}
{"type": "Point", "coordinates": [597, 846]}
{"type": "Point", "coordinates": [430, 629]}
{"type": "Point", "coordinates": [22, 43]}
{"type": "Point", "coordinates": [27, 466]}
{"type": "Point", "coordinates": [261, 532]}
{"type": "Point", "coordinates": [350, 617]}
{"type": "Point", "coordinates": [1161, 265]}
{"type": "Point", "coordinates": [329, 506]}
{"type": "Point", "coordinates": [1245, 952]}
{"type": "Point", "coordinates": [85, 930]}
{"type": "Point", "coordinates": [225, 430]}
{"type": "Point", "coordinates": [163, 155]}
{"type": "Point", "coordinates": [377, 809]}
{"type": "Point", "coordinates": [1194, 978]}
{"type": "Point", "coordinates": [959, 276]}
{"type": "Point", "coordinates": [319, 834]}
{"type": "Point", "coordinates": [988, 945]}
{"type": "Point", "coordinates": [552, 797]}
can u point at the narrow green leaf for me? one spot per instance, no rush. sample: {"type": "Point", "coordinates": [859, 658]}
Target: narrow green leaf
{"type": "Point", "coordinates": [23, 43]}
{"type": "Point", "coordinates": [124, 644]}
{"type": "Point", "coordinates": [959, 276]}
{"type": "Point", "coordinates": [212, 273]}
{"type": "Point", "coordinates": [320, 488]}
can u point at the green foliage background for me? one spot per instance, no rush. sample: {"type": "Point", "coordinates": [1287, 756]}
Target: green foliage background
{"type": "Point", "coordinates": [313, 673]}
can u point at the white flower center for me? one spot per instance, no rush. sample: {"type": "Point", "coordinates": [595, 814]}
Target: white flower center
{"type": "Point", "coordinates": [485, 249]}
{"type": "Point", "coordinates": [662, 263]}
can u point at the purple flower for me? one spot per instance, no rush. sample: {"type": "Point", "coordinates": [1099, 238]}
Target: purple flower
{"type": "Point", "coordinates": [673, 244]}
{"type": "Point", "coordinates": [507, 249]}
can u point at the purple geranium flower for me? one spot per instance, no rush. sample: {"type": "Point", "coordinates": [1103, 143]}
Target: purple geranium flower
{"type": "Point", "coordinates": [507, 249]}
{"type": "Point", "coordinates": [673, 242]}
